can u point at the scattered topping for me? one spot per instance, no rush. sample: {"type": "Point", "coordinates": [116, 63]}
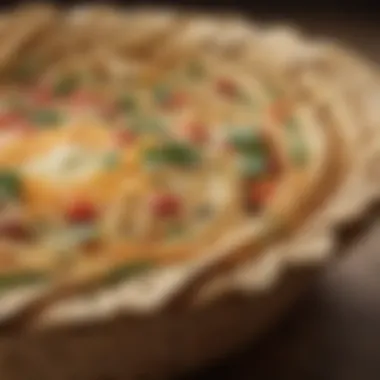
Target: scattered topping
{"type": "Point", "coordinates": [125, 137]}
{"type": "Point", "coordinates": [12, 280]}
{"type": "Point", "coordinates": [173, 153]}
{"type": "Point", "coordinates": [127, 103]}
{"type": "Point", "coordinates": [10, 119]}
{"type": "Point", "coordinates": [165, 97]}
{"type": "Point", "coordinates": [197, 133]}
{"type": "Point", "coordinates": [66, 85]}
{"type": "Point", "coordinates": [125, 272]}
{"type": "Point", "coordinates": [246, 140]}
{"type": "Point", "coordinates": [280, 110]}
{"type": "Point", "coordinates": [86, 235]}
{"type": "Point", "coordinates": [253, 166]}
{"type": "Point", "coordinates": [46, 117]}
{"type": "Point", "coordinates": [42, 95]}
{"type": "Point", "coordinates": [259, 192]}
{"type": "Point", "coordinates": [10, 184]}
{"type": "Point", "coordinates": [165, 205]}
{"type": "Point", "coordinates": [227, 87]}
{"type": "Point", "coordinates": [14, 228]}
{"type": "Point", "coordinates": [26, 71]}
{"type": "Point", "coordinates": [81, 212]}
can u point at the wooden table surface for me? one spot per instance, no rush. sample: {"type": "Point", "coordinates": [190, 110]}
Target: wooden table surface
{"type": "Point", "coordinates": [334, 331]}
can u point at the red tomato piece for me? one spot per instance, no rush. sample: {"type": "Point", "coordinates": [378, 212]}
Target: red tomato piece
{"type": "Point", "coordinates": [280, 110]}
{"type": "Point", "coordinates": [226, 87]}
{"type": "Point", "coordinates": [176, 100]}
{"type": "Point", "coordinates": [81, 211]}
{"type": "Point", "coordinates": [125, 137]}
{"type": "Point", "coordinates": [14, 228]}
{"type": "Point", "coordinates": [260, 192]}
{"type": "Point", "coordinates": [42, 95]}
{"type": "Point", "coordinates": [10, 119]}
{"type": "Point", "coordinates": [197, 133]}
{"type": "Point", "coordinates": [165, 205]}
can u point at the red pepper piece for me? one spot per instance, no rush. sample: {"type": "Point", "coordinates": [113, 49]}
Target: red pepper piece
{"type": "Point", "coordinates": [197, 133]}
{"type": "Point", "coordinates": [261, 191]}
{"type": "Point", "coordinates": [226, 87]}
{"type": "Point", "coordinates": [10, 119]}
{"type": "Point", "coordinates": [14, 228]}
{"type": "Point", "coordinates": [280, 110]}
{"type": "Point", "coordinates": [125, 137]}
{"type": "Point", "coordinates": [176, 100]}
{"type": "Point", "coordinates": [165, 205]}
{"type": "Point", "coordinates": [81, 211]}
{"type": "Point", "coordinates": [42, 95]}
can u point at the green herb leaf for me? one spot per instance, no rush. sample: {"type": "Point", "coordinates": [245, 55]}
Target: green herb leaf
{"type": "Point", "coordinates": [246, 140]}
{"type": "Point", "coordinates": [127, 271]}
{"type": "Point", "coordinates": [253, 166]}
{"type": "Point", "coordinates": [46, 117]}
{"type": "Point", "coordinates": [13, 280]}
{"type": "Point", "coordinates": [173, 153]}
{"type": "Point", "coordinates": [10, 184]}
{"type": "Point", "coordinates": [161, 93]}
{"type": "Point", "coordinates": [67, 85]}
{"type": "Point", "coordinates": [127, 103]}
{"type": "Point", "coordinates": [26, 71]}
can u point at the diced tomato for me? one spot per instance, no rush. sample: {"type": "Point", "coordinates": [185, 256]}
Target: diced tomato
{"type": "Point", "coordinates": [176, 100]}
{"type": "Point", "coordinates": [81, 211]}
{"type": "Point", "coordinates": [197, 133]}
{"type": "Point", "coordinates": [84, 98]}
{"type": "Point", "coordinates": [165, 205]}
{"type": "Point", "coordinates": [14, 228]}
{"type": "Point", "coordinates": [9, 119]}
{"type": "Point", "coordinates": [42, 95]}
{"type": "Point", "coordinates": [261, 191]}
{"type": "Point", "coordinates": [225, 86]}
{"type": "Point", "coordinates": [280, 110]}
{"type": "Point", "coordinates": [125, 137]}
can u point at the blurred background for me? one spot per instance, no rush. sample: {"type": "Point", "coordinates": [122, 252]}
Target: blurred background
{"type": "Point", "coordinates": [333, 333]}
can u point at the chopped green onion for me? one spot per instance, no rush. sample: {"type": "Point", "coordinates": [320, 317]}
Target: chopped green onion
{"type": "Point", "coordinates": [67, 85]}
{"type": "Point", "coordinates": [127, 271]}
{"type": "Point", "coordinates": [26, 71]}
{"type": "Point", "coordinates": [246, 140]}
{"type": "Point", "coordinates": [173, 153]}
{"type": "Point", "coordinates": [46, 117]}
{"type": "Point", "coordinates": [253, 165]}
{"type": "Point", "coordinates": [12, 280]}
{"type": "Point", "coordinates": [161, 94]}
{"type": "Point", "coordinates": [127, 103]}
{"type": "Point", "coordinates": [10, 184]}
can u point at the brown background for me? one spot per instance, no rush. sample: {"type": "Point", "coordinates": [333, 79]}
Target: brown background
{"type": "Point", "coordinates": [333, 333]}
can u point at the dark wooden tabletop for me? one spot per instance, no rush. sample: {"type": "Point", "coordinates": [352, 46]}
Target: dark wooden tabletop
{"type": "Point", "coordinates": [333, 333]}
